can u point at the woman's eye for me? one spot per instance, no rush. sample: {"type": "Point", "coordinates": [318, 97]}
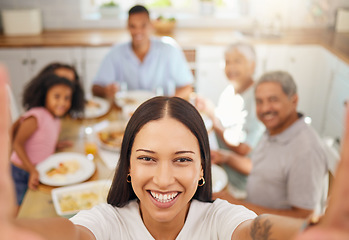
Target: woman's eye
{"type": "Point", "coordinates": [183, 160]}
{"type": "Point", "coordinates": [145, 158]}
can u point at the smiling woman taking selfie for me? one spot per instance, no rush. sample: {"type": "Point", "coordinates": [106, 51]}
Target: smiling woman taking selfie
{"type": "Point", "coordinates": [161, 189]}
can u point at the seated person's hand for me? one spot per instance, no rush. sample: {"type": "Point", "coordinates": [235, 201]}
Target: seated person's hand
{"type": "Point", "coordinates": [204, 105]}
{"type": "Point", "coordinates": [33, 182]}
{"type": "Point", "coordinates": [110, 90]}
{"type": "Point", "coordinates": [218, 157]}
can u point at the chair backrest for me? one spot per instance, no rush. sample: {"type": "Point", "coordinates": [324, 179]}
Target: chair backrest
{"type": "Point", "coordinates": [333, 158]}
{"type": "Point", "coordinates": [13, 105]}
{"type": "Point", "coordinates": [322, 204]}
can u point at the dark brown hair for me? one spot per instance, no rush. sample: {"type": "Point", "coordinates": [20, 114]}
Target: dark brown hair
{"type": "Point", "coordinates": [138, 9]}
{"type": "Point", "coordinates": [156, 108]}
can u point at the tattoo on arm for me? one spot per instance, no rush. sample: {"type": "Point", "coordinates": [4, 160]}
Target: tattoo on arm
{"type": "Point", "coordinates": [260, 229]}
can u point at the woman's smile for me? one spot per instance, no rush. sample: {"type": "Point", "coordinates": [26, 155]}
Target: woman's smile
{"type": "Point", "coordinates": [163, 200]}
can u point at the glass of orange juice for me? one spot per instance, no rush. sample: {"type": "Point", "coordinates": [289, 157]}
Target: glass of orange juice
{"type": "Point", "coordinates": [90, 145]}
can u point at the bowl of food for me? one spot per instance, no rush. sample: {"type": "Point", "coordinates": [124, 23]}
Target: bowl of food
{"type": "Point", "coordinates": [69, 200]}
{"type": "Point", "coordinates": [110, 137]}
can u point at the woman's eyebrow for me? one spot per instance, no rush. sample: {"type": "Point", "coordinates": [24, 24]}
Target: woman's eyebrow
{"type": "Point", "coordinates": [144, 150]}
{"type": "Point", "coordinates": [178, 152]}
{"type": "Point", "coordinates": [181, 152]}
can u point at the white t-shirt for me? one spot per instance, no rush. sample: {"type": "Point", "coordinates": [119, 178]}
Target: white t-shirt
{"type": "Point", "coordinates": [216, 220]}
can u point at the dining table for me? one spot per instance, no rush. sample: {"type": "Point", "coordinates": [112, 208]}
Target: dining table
{"type": "Point", "coordinates": [38, 203]}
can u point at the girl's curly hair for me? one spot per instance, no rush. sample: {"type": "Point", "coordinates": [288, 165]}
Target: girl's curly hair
{"type": "Point", "coordinates": [78, 98]}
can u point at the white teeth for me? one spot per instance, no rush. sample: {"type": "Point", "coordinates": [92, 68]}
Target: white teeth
{"type": "Point", "coordinates": [163, 197]}
{"type": "Point", "coordinates": [268, 116]}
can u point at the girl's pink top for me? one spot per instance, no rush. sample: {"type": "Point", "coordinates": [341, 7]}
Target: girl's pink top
{"type": "Point", "coordinates": [44, 140]}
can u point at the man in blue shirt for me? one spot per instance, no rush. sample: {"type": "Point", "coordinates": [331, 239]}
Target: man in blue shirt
{"type": "Point", "coordinates": [145, 63]}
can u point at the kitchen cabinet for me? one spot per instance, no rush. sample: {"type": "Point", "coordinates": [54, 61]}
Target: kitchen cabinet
{"type": "Point", "coordinates": [210, 76]}
{"type": "Point", "coordinates": [90, 62]}
{"type": "Point", "coordinates": [24, 63]}
{"type": "Point", "coordinates": [338, 94]}
{"type": "Point", "coordinates": [307, 65]}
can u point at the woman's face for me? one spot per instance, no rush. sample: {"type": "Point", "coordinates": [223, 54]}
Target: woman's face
{"type": "Point", "coordinates": [66, 73]}
{"type": "Point", "coordinates": [165, 167]}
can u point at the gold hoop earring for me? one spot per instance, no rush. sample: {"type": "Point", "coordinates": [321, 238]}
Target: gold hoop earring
{"type": "Point", "coordinates": [128, 178]}
{"type": "Point", "coordinates": [201, 182]}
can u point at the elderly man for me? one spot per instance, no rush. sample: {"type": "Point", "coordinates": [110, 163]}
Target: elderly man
{"type": "Point", "coordinates": [289, 163]}
{"type": "Point", "coordinates": [144, 63]}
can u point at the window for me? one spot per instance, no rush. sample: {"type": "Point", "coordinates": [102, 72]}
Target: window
{"type": "Point", "coordinates": [182, 10]}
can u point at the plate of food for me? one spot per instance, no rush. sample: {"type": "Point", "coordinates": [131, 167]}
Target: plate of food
{"type": "Point", "coordinates": [110, 137]}
{"type": "Point", "coordinates": [219, 178]}
{"type": "Point", "coordinates": [65, 168]}
{"type": "Point", "coordinates": [96, 107]}
{"type": "Point", "coordinates": [69, 200]}
{"type": "Point", "coordinates": [134, 97]}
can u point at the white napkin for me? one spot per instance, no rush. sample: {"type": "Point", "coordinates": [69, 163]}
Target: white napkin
{"type": "Point", "coordinates": [110, 158]}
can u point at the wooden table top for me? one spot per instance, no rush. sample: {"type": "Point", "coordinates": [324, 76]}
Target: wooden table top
{"type": "Point", "coordinates": [337, 43]}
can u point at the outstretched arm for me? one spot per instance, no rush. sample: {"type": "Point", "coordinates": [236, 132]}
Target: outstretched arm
{"type": "Point", "coordinates": [11, 228]}
{"type": "Point", "coordinates": [268, 227]}
{"type": "Point", "coordinates": [105, 92]}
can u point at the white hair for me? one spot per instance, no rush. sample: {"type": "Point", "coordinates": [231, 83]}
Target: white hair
{"type": "Point", "coordinates": [245, 48]}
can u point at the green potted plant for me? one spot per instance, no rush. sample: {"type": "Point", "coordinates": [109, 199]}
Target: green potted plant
{"type": "Point", "coordinates": [109, 9]}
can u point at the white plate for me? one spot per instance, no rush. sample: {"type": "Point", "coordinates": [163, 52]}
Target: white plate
{"type": "Point", "coordinates": [85, 171]}
{"type": "Point", "coordinates": [134, 97]}
{"type": "Point", "coordinates": [99, 189]}
{"type": "Point", "coordinates": [118, 126]}
{"type": "Point", "coordinates": [219, 178]}
{"type": "Point", "coordinates": [97, 111]}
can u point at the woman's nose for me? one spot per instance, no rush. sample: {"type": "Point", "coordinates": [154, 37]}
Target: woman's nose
{"type": "Point", "coordinates": [164, 175]}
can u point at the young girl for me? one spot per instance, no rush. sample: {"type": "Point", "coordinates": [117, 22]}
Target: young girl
{"type": "Point", "coordinates": [162, 190]}
{"type": "Point", "coordinates": [61, 70]}
{"type": "Point", "coordinates": [38, 129]}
